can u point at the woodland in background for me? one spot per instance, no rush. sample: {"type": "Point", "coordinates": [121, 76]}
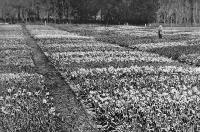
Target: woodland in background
{"type": "Point", "coordinates": [184, 12]}
{"type": "Point", "coordinates": [103, 11]}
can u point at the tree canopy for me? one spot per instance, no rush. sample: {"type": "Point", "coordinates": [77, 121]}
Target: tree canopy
{"type": "Point", "coordinates": [179, 11]}
{"type": "Point", "coordinates": [106, 11]}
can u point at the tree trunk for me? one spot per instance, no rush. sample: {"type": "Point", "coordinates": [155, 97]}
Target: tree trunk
{"type": "Point", "coordinates": [192, 12]}
{"type": "Point", "coordinates": [196, 12]}
{"type": "Point", "coordinates": [18, 14]}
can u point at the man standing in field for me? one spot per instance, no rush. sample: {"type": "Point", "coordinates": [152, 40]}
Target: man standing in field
{"type": "Point", "coordinates": [160, 32]}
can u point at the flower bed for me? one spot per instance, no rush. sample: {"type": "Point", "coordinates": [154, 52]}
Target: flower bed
{"type": "Point", "coordinates": [25, 103]}
{"type": "Point", "coordinates": [148, 46]}
{"type": "Point", "coordinates": [11, 31]}
{"type": "Point", "coordinates": [50, 32]}
{"type": "Point", "coordinates": [127, 35]}
{"type": "Point", "coordinates": [12, 44]}
{"type": "Point", "coordinates": [145, 98]}
{"type": "Point", "coordinates": [70, 61]}
{"type": "Point", "coordinates": [75, 45]}
{"type": "Point", "coordinates": [83, 57]}
{"type": "Point", "coordinates": [121, 96]}
{"type": "Point", "coordinates": [24, 79]}
{"type": "Point", "coordinates": [14, 53]}
{"type": "Point", "coordinates": [192, 59]}
{"type": "Point", "coordinates": [15, 56]}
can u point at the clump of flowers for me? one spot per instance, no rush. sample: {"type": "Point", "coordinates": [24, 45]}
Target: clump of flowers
{"type": "Point", "coordinates": [147, 99]}
{"type": "Point", "coordinates": [27, 110]}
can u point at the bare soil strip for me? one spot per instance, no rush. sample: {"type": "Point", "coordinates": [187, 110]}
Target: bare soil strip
{"type": "Point", "coordinates": [74, 116]}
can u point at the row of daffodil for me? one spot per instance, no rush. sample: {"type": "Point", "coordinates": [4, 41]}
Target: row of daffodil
{"type": "Point", "coordinates": [73, 46]}
{"type": "Point", "coordinates": [15, 57]}
{"type": "Point", "coordinates": [192, 59]}
{"type": "Point", "coordinates": [106, 56]}
{"type": "Point", "coordinates": [141, 31]}
{"type": "Point", "coordinates": [12, 44]}
{"type": "Point", "coordinates": [98, 27]}
{"type": "Point", "coordinates": [26, 104]}
{"type": "Point", "coordinates": [162, 44]}
{"type": "Point", "coordinates": [146, 98]}
{"type": "Point", "coordinates": [14, 53]}
{"type": "Point", "coordinates": [137, 31]}
{"type": "Point", "coordinates": [126, 30]}
{"type": "Point", "coordinates": [10, 27]}
{"type": "Point", "coordinates": [11, 31]}
{"type": "Point", "coordinates": [76, 43]}
{"type": "Point", "coordinates": [114, 27]}
{"type": "Point", "coordinates": [23, 78]}
{"type": "Point", "coordinates": [42, 31]}
{"type": "Point", "coordinates": [181, 32]}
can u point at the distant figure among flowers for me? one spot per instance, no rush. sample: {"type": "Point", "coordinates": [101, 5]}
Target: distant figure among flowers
{"type": "Point", "coordinates": [160, 32]}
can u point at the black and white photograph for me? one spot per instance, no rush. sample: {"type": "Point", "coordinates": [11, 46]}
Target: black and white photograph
{"type": "Point", "coordinates": [99, 65]}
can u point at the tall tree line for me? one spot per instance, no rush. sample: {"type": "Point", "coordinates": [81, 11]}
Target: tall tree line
{"type": "Point", "coordinates": [109, 11]}
{"type": "Point", "coordinates": [179, 12]}
{"type": "Point", "coordinates": [105, 11]}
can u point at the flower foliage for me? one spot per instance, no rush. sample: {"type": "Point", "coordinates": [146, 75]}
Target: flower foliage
{"type": "Point", "coordinates": [25, 102]}
{"type": "Point", "coordinates": [145, 98]}
{"type": "Point", "coordinates": [27, 105]}
{"type": "Point", "coordinates": [119, 94]}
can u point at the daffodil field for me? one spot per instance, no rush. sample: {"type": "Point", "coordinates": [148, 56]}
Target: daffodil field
{"type": "Point", "coordinates": [127, 79]}
{"type": "Point", "coordinates": [179, 44]}
{"type": "Point", "coordinates": [25, 104]}
{"type": "Point", "coordinates": [123, 79]}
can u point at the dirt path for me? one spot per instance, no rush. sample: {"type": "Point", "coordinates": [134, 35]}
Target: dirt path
{"type": "Point", "coordinates": [75, 118]}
